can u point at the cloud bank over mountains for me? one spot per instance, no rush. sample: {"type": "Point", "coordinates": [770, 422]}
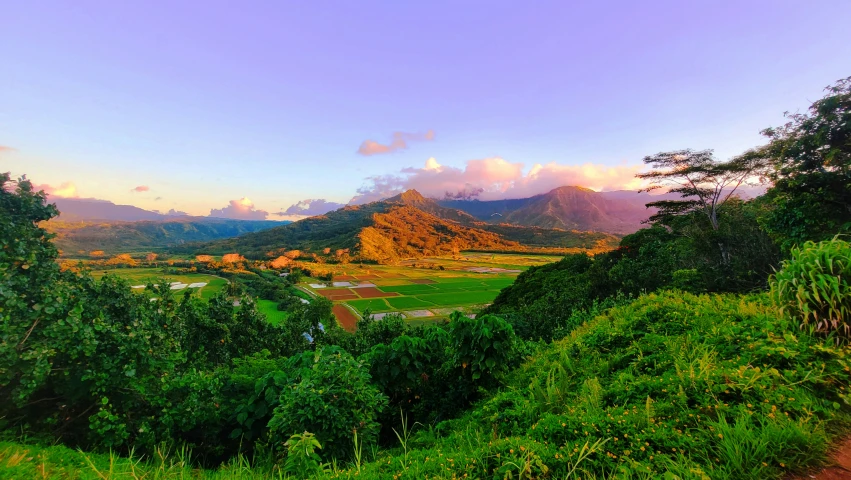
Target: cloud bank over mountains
{"type": "Point", "coordinates": [310, 207]}
{"type": "Point", "coordinates": [496, 178]}
{"type": "Point", "coordinates": [491, 178]}
{"type": "Point", "coordinates": [64, 190]}
{"type": "Point", "coordinates": [242, 209]}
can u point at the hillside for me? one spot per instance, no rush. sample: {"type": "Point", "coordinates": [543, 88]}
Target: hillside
{"type": "Point", "coordinates": [567, 208]}
{"type": "Point", "coordinates": [75, 238]}
{"type": "Point", "coordinates": [408, 232]}
{"type": "Point", "coordinates": [405, 226]}
{"type": "Point", "coordinates": [76, 209]}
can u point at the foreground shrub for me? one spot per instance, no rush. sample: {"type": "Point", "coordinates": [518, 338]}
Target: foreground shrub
{"type": "Point", "coordinates": [330, 396]}
{"type": "Point", "coordinates": [814, 286]}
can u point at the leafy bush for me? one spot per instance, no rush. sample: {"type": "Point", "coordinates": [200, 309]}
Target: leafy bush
{"type": "Point", "coordinates": [331, 396]}
{"type": "Point", "coordinates": [814, 286]}
{"type": "Point", "coordinates": [484, 347]}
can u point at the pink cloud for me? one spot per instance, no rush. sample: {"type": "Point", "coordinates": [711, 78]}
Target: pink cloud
{"type": "Point", "coordinates": [65, 190]}
{"type": "Point", "coordinates": [242, 209]}
{"type": "Point", "coordinates": [310, 207]}
{"type": "Point", "coordinates": [141, 188]}
{"type": "Point", "coordinates": [399, 142]}
{"type": "Point", "coordinates": [496, 178]}
{"type": "Point", "coordinates": [5, 149]}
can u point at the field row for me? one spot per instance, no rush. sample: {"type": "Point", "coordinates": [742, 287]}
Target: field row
{"type": "Point", "coordinates": [446, 299]}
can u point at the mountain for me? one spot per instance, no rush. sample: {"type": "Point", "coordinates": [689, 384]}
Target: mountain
{"type": "Point", "coordinates": [567, 208]}
{"type": "Point", "coordinates": [405, 226]}
{"type": "Point", "coordinates": [73, 209]}
{"type": "Point", "coordinates": [413, 198]}
{"type": "Point", "coordinates": [77, 238]}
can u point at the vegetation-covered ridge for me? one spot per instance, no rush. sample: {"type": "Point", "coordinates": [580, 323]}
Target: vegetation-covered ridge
{"type": "Point", "coordinates": [78, 238]}
{"type": "Point", "coordinates": [405, 226]}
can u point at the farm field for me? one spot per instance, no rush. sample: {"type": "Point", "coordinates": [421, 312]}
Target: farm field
{"type": "Point", "coordinates": [424, 290]}
{"type": "Point", "coordinates": [270, 309]}
{"type": "Point", "coordinates": [141, 276]}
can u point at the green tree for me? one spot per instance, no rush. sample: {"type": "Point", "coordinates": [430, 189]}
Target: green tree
{"type": "Point", "coordinates": [811, 156]}
{"type": "Point", "coordinates": [484, 348]}
{"type": "Point", "coordinates": [37, 310]}
{"type": "Point", "coordinates": [331, 396]}
{"type": "Point", "coordinates": [703, 183]}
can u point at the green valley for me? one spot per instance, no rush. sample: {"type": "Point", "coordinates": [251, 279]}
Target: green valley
{"type": "Point", "coordinates": [405, 338]}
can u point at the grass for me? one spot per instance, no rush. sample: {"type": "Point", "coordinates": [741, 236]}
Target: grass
{"type": "Point", "coordinates": [270, 309]}
{"type": "Point", "coordinates": [376, 305]}
{"type": "Point", "coordinates": [454, 286]}
{"type": "Point", "coordinates": [408, 289]}
{"type": "Point", "coordinates": [29, 462]}
{"type": "Point", "coordinates": [407, 303]}
{"type": "Point", "coordinates": [459, 298]}
{"type": "Point", "coordinates": [141, 276]}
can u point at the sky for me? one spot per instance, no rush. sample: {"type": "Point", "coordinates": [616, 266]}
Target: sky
{"type": "Point", "coordinates": [266, 109]}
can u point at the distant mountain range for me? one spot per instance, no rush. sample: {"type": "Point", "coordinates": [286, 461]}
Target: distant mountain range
{"type": "Point", "coordinates": [72, 209]}
{"type": "Point", "coordinates": [85, 225]}
{"type": "Point", "coordinates": [405, 226]}
{"type": "Point", "coordinates": [567, 208]}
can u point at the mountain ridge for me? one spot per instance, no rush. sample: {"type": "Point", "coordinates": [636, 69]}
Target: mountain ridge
{"type": "Point", "coordinates": [407, 225]}
{"type": "Point", "coordinates": [566, 207]}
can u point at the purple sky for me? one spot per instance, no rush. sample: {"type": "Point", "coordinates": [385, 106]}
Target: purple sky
{"type": "Point", "coordinates": [207, 103]}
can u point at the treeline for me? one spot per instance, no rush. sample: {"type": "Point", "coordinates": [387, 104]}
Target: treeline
{"type": "Point", "coordinates": [710, 241]}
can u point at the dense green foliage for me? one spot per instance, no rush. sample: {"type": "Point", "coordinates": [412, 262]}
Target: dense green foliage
{"type": "Point", "coordinates": [811, 155]}
{"type": "Point", "coordinates": [329, 394]}
{"type": "Point", "coordinates": [92, 363]}
{"type": "Point", "coordinates": [664, 358]}
{"type": "Point", "coordinates": [682, 253]}
{"type": "Point", "coordinates": [711, 386]}
{"type": "Point", "coordinates": [814, 286]}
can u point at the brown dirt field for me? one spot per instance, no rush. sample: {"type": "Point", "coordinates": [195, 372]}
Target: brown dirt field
{"type": "Point", "coordinates": [368, 277]}
{"type": "Point", "coordinates": [343, 278]}
{"type": "Point", "coordinates": [345, 317]}
{"type": "Point", "coordinates": [840, 468]}
{"type": "Point", "coordinates": [328, 293]}
{"type": "Point", "coordinates": [422, 281]}
{"type": "Point", "coordinates": [343, 296]}
{"type": "Point", "coordinates": [372, 292]}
